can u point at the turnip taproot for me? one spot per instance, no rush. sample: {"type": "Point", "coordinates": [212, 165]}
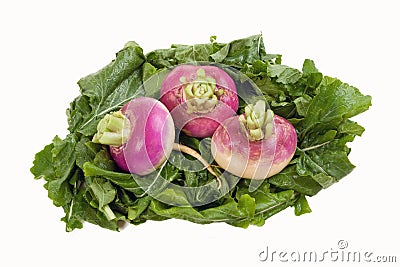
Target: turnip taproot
{"type": "Point", "coordinates": [256, 144]}
{"type": "Point", "coordinates": [141, 136]}
{"type": "Point", "coordinates": [199, 98]}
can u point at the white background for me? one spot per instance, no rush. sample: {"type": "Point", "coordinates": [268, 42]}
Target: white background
{"type": "Point", "coordinates": [46, 46]}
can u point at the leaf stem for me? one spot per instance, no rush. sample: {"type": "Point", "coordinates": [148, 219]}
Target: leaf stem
{"type": "Point", "coordinates": [114, 129]}
{"type": "Point", "coordinates": [108, 212]}
{"type": "Point", "coordinates": [314, 147]}
{"type": "Point", "coordinates": [195, 154]}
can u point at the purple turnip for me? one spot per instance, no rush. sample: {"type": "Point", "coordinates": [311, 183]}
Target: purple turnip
{"type": "Point", "coordinates": [254, 145]}
{"type": "Point", "coordinates": [199, 98]}
{"type": "Point", "coordinates": [141, 136]}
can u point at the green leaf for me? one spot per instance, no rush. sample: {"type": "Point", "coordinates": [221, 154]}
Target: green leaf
{"type": "Point", "coordinates": [321, 159]}
{"type": "Point", "coordinates": [63, 154]}
{"type": "Point", "coordinates": [63, 161]}
{"type": "Point", "coordinates": [351, 127]}
{"type": "Point", "coordinates": [314, 80]}
{"type": "Point", "coordinates": [324, 180]}
{"type": "Point", "coordinates": [102, 190]}
{"type": "Point", "coordinates": [85, 151]}
{"type": "Point", "coordinates": [107, 90]}
{"type": "Point", "coordinates": [162, 58]}
{"type": "Point", "coordinates": [315, 140]}
{"type": "Point", "coordinates": [79, 211]}
{"type": "Point", "coordinates": [246, 50]}
{"type": "Point", "coordinates": [78, 111]}
{"type": "Point", "coordinates": [227, 211]}
{"type": "Point", "coordinates": [267, 203]}
{"type": "Point", "coordinates": [173, 196]}
{"type": "Point", "coordinates": [284, 74]}
{"type": "Point", "coordinates": [138, 207]}
{"type": "Point", "coordinates": [100, 85]}
{"type": "Point", "coordinates": [247, 206]}
{"type": "Point", "coordinates": [148, 70]}
{"type": "Point", "coordinates": [309, 67]}
{"type": "Point", "coordinates": [302, 103]}
{"type": "Point", "coordinates": [152, 80]}
{"type": "Point", "coordinates": [59, 191]}
{"type": "Point", "coordinates": [185, 213]}
{"type": "Point", "coordinates": [239, 214]}
{"type": "Point", "coordinates": [335, 102]}
{"type": "Point", "coordinates": [235, 53]}
{"type": "Point", "coordinates": [301, 206]}
{"type": "Point", "coordinates": [193, 53]}
{"type": "Point", "coordinates": [104, 160]}
{"type": "Point", "coordinates": [125, 180]}
{"type": "Point", "coordinates": [43, 164]}
{"type": "Point", "coordinates": [312, 75]}
{"type": "Point", "coordinates": [270, 89]}
{"type": "Point", "coordinates": [290, 179]}
{"type": "Point", "coordinates": [170, 172]}
{"type": "Point", "coordinates": [221, 54]}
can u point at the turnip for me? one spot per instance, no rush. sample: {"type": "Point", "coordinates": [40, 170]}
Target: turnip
{"type": "Point", "coordinates": [254, 145]}
{"type": "Point", "coordinates": [141, 136]}
{"type": "Point", "coordinates": [199, 98]}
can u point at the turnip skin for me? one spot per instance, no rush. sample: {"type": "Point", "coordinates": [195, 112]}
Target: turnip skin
{"type": "Point", "coordinates": [259, 159]}
{"type": "Point", "coordinates": [147, 141]}
{"type": "Point", "coordinates": [199, 122]}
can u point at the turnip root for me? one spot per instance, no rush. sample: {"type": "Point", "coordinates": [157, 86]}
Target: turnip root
{"type": "Point", "coordinates": [140, 136]}
{"type": "Point", "coordinates": [199, 98]}
{"type": "Point", "coordinates": [254, 145]}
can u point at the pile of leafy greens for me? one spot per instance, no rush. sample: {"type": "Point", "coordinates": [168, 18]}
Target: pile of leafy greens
{"type": "Point", "coordinates": [81, 177]}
